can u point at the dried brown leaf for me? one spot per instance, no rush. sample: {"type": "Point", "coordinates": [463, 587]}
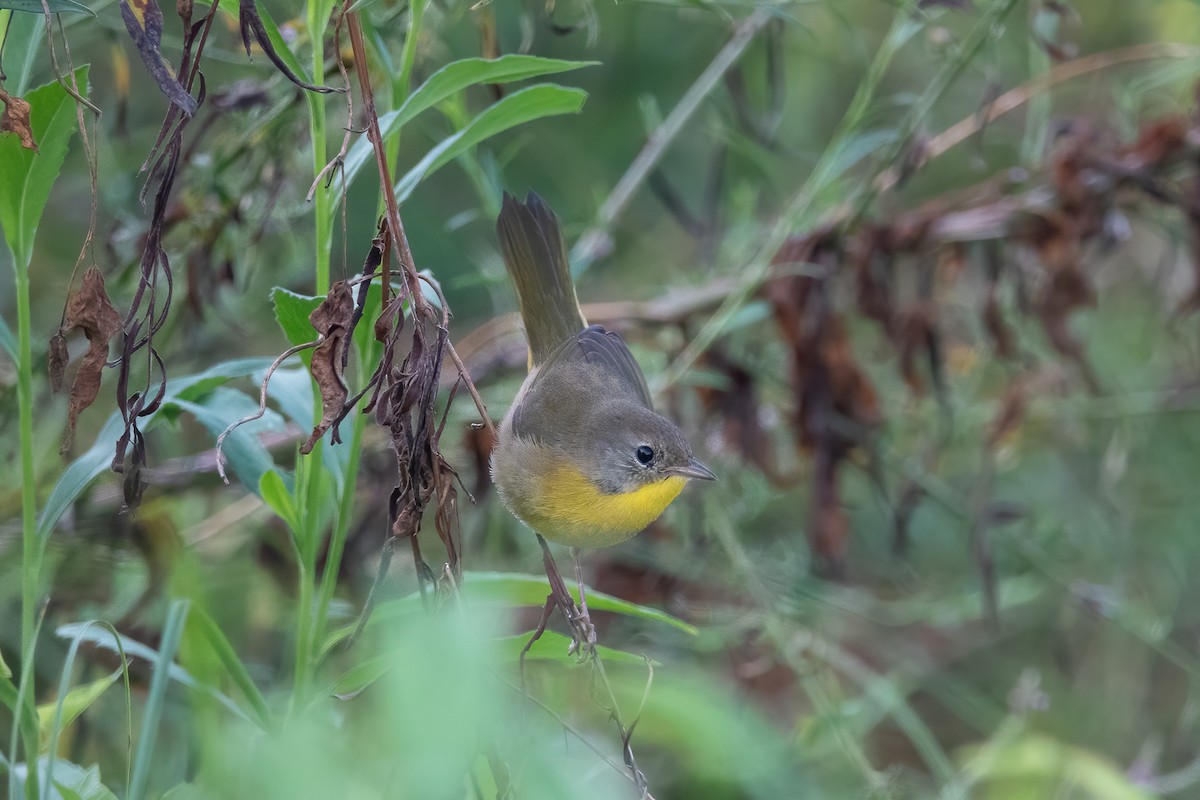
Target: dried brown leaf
{"type": "Point", "coordinates": [91, 311]}
{"type": "Point", "coordinates": [15, 119]}
{"type": "Point", "coordinates": [332, 319]}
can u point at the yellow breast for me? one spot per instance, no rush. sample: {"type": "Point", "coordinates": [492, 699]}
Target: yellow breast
{"type": "Point", "coordinates": [572, 511]}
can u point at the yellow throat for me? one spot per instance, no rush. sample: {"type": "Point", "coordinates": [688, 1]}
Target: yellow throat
{"type": "Point", "coordinates": [573, 511]}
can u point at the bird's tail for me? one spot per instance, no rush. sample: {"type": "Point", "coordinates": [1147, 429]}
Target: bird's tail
{"type": "Point", "coordinates": [536, 257]}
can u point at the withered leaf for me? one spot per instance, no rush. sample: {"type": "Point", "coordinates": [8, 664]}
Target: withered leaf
{"type": "Point", "coordinates": [144, 21]}
{"type": "Point", "coordinates": [332, 319]}
{"type": "Point", "coordinates": [91, 311]}
{"type": "Point", "coordinates": [15, 119]}
{"type": "Point", "coordinates": [253, 28]}
{"type": "Point", "coordinates": [58, 357]}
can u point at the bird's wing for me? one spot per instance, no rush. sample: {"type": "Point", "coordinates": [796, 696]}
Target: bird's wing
{"type": "Point", "coordinates": [592, 361]}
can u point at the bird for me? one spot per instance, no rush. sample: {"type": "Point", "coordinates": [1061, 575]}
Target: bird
{"type": "Point", "coordinates": [581, 457]}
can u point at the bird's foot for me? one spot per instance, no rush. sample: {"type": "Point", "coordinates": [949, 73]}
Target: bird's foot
{"type": "Point", "coordinates": [583, 636]}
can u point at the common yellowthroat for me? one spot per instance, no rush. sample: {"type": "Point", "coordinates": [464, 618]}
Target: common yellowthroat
{"type": "Point", "coordinates": [581, 456]}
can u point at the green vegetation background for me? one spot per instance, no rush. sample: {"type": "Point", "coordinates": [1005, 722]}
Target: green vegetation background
{"type": "Point", "coordinates": [888, 682]}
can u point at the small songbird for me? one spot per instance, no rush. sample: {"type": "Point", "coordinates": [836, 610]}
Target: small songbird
{"type": "Point", "coordinates": [581, 457]}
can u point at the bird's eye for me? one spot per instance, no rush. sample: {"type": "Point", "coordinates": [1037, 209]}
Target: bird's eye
{"type": "Point", "coordinates": [645, 455]}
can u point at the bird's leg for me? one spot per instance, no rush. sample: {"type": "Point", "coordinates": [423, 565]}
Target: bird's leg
{"type": "Point", "coordinates": [583, 635]}
{"type": "Point", "coordinates": [585, 620]}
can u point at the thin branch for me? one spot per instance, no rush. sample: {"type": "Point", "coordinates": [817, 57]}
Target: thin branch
{"type": "Point", "coordinates": [395, 226]}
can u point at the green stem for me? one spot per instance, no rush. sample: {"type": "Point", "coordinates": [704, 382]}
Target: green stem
{"type": "Point", "coordinates": [323, 220]}
{"type": "Point", "coordinates": [304, 638]}
{"type": "Point", "coordinates": [309, 474]}
{"type": "Point", "coordinates": [31, 543]}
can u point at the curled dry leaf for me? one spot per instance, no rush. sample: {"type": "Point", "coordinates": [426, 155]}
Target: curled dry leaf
{"type": "Point", "coordinates": [15, 119]}
{"type": "Point", "coordinates": [332, 319]}
{"type": "Point", "coordinates": [253, 28]}
{"type": "Point", "coordinates": [89, 310]}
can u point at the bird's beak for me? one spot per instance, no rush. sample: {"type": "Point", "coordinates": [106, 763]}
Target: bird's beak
{"type": "Point", "coordinates": [693, 469]}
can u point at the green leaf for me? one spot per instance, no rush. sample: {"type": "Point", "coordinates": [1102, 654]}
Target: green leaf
{"type": "Point", "coordinates": [71, 781]}
{"type": "Point", "coordinates": [73, 702]}
{"type": "Point", "coordinates": [275, 494]}
{"type": "Point", "coordinates": [449, 80]}
{"type": "Point", "coordinates": [26, 176]}
{"type": "Point", "coordinates": [86, 632]}
{"type": "Point", "coordinates": [530, 590]}
{"type": "Point", "coordinates": [172, 632]}
{"type": "Point", "coordinates": [193, 387]}
{"type": "Point", "coordinates": [25, 33]}
{"type": "Point", "coordinates": [291, 312]}
{"type": "Point", "coordinates": [362, 675]}
{"type": "Point", "coordinates": [98, 458]}
{"type": "Point", "coordinates": [56, 6]}
{"type": "Point", "coordinates": [233, 665]}
{"type": "Point", "coordinates": [5, 672]}
{"type": "Point", "coordinates": [552, 646]}
{"type": "Point", "coordinates": [536, 102]}
{"type": "Point", "coordinates": [76, 701]}
{"type": "Point", "coordinates": [9, 697]}
{"type": "Point", "coordinates": [79, 475]}
{"type": "Point", "coordinates": [1037, 765]}
{"type": "Point", "coordinates": [243, 452]}
{"type": "Point", "coordinates": [512, 589]}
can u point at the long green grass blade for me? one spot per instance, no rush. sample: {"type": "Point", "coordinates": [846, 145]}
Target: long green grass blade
{"type": "Point", "coordinates": [171, 635]}
{"type": "Point", "coordinates": [233, 665]}
{"type": "Point", "coordinates": [448, 81]}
